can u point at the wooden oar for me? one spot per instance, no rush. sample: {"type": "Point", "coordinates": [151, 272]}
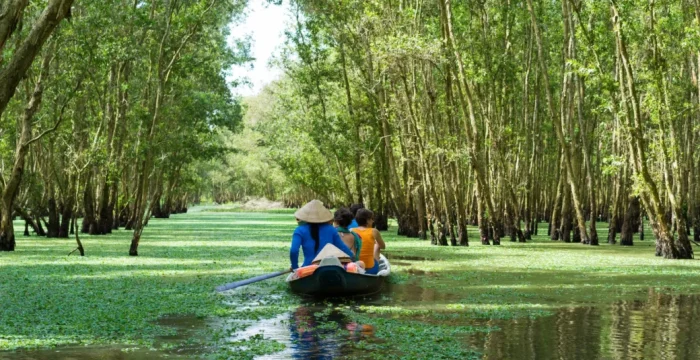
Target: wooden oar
{"type": "Point", "coordinates": [236, 284]}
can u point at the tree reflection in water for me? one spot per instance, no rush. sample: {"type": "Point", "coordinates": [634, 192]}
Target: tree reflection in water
{"type": "Point", "coordinates": [661, 327]}
{"type": "Point", "coordinates": [324, 333]}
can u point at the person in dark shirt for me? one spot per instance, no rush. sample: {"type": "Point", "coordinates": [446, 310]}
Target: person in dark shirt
{"type": "Point", "coordinates": [353, 209]}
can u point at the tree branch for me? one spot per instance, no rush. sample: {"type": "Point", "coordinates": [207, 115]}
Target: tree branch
{"type": "Point", "coordinates": [60, 117]}
{"type": "Point", "coordinates": [23, 57]}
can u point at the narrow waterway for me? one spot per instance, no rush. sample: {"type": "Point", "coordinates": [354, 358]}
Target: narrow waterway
{"type": "Point", "coordinates": [662, 326]}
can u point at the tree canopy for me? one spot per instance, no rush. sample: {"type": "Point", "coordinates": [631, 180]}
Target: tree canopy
{"type": "Point", "coordinates": [108, 122]}
{"type": "Point", "coordinates": [498, 113]}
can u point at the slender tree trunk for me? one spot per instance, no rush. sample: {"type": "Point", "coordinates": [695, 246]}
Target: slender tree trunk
{"type": "Point", "coordinates": [467, 107]}
{"type": "Point", "coordinates": [554, 221]}
{"type": "Point", "coordinates": [12, 184]}
{"type": "Point", "coordinates": [577, 204]}
{"type": "Point", "coordinates": [627, 228]}
{"type": "Point", "coordinates": [650, 195]}
{"type": "Point", "coordinates": [54, 224]}
{"type": "Point", "coordinates": [23, 56]}
{"type": "Point", "coordinates": [11, 14]}
{"type": "Point", "coordinates": [481, 222]}
{"type": "Point", "coordinates": [565, 227]}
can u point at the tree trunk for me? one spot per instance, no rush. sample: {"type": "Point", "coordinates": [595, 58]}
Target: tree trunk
{"type": "Point", "coordinates": [103, 223]}
{"type": "Point", "coordinates": [23, 56]}
{"type": "Point", "coordinates": [11, 14]}
{"type": "Point", "coordinates": [612, 228]}
{"type": "Point", "coordinates": [89, 221]}
{"type": "Point", "coordinates": [565, 227]}
{"type": "Point", "coordinates": [470, 125]}
{"type": "Point", "coordinates": [442, 233]}
{"type": "Point", "coordinates": [12, 184]}
{"type": "Point", "coordinates": [696, 224]}
{"type": "Point", "coordinates": [30, 221]}
{"type": "Point", "coordinates": [66, 216]}
{"type": "Point", "coordinates": [554, 221]}
{"type": "Point", "coordinates": [568, 166]}
{"type": "Point", "coordinates": [481, 222]}
{"type": "Point", "coordinates": [632, 212]}
{"type": "Point", "coordinates": [54, 224]}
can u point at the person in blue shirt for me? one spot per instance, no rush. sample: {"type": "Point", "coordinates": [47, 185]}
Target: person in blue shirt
{"type": "Point", "coordinates": [313, 233]}
{"type": "Point", "coordinates": [353, 210]}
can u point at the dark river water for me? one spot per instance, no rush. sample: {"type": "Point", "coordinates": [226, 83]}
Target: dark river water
{"type": "Point", "coordinates": [660, 327]}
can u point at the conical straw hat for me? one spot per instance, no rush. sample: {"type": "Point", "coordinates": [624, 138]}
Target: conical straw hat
{"type": "Point", "coordinates": [314, 212]}
{"type": "Point", "coordinates": [331, 250]}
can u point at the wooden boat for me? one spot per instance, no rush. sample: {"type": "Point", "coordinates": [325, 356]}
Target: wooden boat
{"type": "Point", "coordinates": [330, 279]}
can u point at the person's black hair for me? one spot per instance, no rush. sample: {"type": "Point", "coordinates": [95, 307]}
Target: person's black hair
{"type": "Point", "coordinates": [343, 217]}
{"type": "Point", "coordinates": [355, 207]}
{"type": "Point", "coordinates": [314, 227]}
{"type": "Point", "coordinates": [363, 216]}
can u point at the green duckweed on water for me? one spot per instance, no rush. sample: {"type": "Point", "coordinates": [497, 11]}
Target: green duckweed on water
{"type": "Point", "coordinates": [441, 301]}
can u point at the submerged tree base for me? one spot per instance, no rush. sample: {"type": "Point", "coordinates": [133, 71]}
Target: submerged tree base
{"type": "Point", "coordinates": [7, 243]}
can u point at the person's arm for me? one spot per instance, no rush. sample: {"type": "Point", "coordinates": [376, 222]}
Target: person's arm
{"type": "Point", "coordinates": [294, 250]}
{"type": "Point", "coordinates": [338, 242]}
{"type": "Point", "coordinates": [378, 239]}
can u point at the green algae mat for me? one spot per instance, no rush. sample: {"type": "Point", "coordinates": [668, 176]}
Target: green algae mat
{"type": "Point", "coordinates": [540, 299]}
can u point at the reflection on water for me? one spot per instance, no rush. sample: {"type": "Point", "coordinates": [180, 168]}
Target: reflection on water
{"type": "Point", "coordinates": [87, 353]}
{"type": "Point", "coordinates": [179, 345]}
{"type": "Point", "coordinates": [661, 327]}
{"type": "Point", "coordinates": [324, 335]}
{"type": "Point", "coordinates": [321, 331]}
{"type": "Point", "coordinates": [311, 332]}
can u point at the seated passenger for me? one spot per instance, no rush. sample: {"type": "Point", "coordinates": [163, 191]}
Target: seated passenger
{"type": "Point", "coordinates": [313, 233]}
{"type": "Point", "coordinates": [353, 210]}
{"type": "Point", "coordinates": [343, 217]}
{"type": "Point", "coordinates": [372, 241]}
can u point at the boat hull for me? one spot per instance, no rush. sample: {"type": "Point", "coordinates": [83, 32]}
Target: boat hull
{"type": "Point", "coordinates": [332, 280]}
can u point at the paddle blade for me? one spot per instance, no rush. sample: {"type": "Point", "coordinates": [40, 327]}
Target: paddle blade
{"type": "Point", "coordinates": [236, 284]}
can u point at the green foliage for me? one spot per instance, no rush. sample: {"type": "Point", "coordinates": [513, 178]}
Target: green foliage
{"type": "Point", "coordinates": [137, 94]}
{"type": "Point", "coordinates": [246, 167]}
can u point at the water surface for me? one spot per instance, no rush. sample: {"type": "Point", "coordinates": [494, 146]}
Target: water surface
{"type": "Point", "coordinates": [662, 326]}
{"type": "Point", "coordinates": [659, 327]}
